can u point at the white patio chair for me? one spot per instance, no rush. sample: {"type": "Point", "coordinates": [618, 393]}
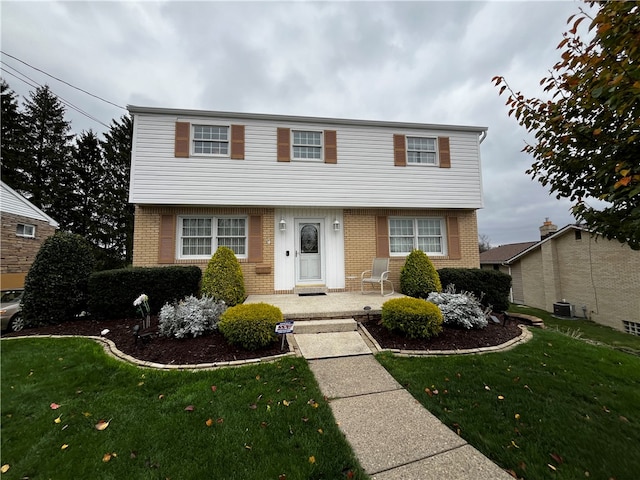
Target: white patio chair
{"type": "Point", "coordinates": [379, 273]}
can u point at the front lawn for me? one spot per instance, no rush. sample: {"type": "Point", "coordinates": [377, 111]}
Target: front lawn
{"type": "Point", "coordinates": [554, 408]}
{"type": "Point", "coordinates": [69, 411]}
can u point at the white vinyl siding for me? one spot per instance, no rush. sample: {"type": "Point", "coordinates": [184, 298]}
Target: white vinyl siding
{"type": "Point", "coordinates": [364, 177]}
{"type": "Point", "coordinates": [199, 237]}
{"type": "Point", "coordinates": [421, 150]}
{"type": "Point", "coordinates": [426, 234]}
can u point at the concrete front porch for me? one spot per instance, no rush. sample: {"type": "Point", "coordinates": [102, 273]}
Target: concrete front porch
{"type": "Point", "coordinates": [331, 305]}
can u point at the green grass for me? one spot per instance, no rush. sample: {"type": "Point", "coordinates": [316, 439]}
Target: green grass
{"type": "Point", "coordinates": [585, 329]}
{"type": "Point", "coordinates": [266, 420]}
{"type": "Point", "coordinates": [568, 410]}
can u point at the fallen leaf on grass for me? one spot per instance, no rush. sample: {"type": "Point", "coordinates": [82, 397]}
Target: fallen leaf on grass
{"type": "Point", "coordinates": [263, 424]}
{"type": "Point", "coordinates": [624, 419]}
{"type": "Point", "coordinates": [313, 403]}
{"type": "Point", "coordinates": [552, 467]}
{"type": "Point", "coordinates": [108, 456]}
{"type": "Point", "coordinates": [487, 387]}
{"type": "Point", "coordinates": [86, 414]}
{"type": "Point", "coordinates": [605, 409]}
{"type": "Point", "coordinates": [282, 476]}
{"type": "Point", "coordinates": [514, 444]}
{"type": "Point", "coordinates": [64, 446]}
{"type": "Point", "coordinates": [161, 396]}
{"type": "Point", "coordinates": [58, 420]}
{"type": "Point", "coordinates": [189, 408]}
{"type": "Point", "coordinates": [213, 388]}
{"type": "Point", "coordinates": [248, 447]}
{"type": "Point", "coordinates": [253, 406]}
{"type": "Point", "coordinates": [54, 406]}
{"type": "Point", "coordinates": [285, 403]}
{"type": "Point", "coordinates": [320, 431]}
{"type": "Point", "coordinates": [500, 397]}
{"type": "Point", "coordinates": [428, 391]}
{"type": "Point", "coordinates": [209, 422]}
{"type": "Point", "coordinates": [220, 420]}
{"type": "Point", "coordinates": [102, 425]}
{"type": "Point", "coordinates": [557, 458]}
{"type": "Point", "coordinates": [5, 468]}
{"type": "Point", "coordinates": [517, 416]}
{"type": "Point", "coordinates": [312, 459]}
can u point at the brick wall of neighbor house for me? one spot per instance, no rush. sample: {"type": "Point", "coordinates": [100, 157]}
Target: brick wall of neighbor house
{"type": "Point", "coordinates": [360, 242]}
{"type": "Point", "coordinates": [602, 275]}
{"type": "Point", "coordinates": [258, 276]}
{"type": "Point", "coordinates": [18, 253]}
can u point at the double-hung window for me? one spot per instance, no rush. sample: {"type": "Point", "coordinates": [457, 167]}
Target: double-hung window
{"type": "Point", "coordinates": [25, 230]}
{"type": "Point", "coordinates": [421, 150]}
{"type": "Point", "coordinates": [199, 237]}
{"type": "Point", "coordinates": [210, 140]}
{"type": "Point", "coordinates": [307, 145]}
{"type": "Point", "coordinates": [426, 234]}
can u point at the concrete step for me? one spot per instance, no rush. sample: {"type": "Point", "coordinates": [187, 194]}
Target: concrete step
{"type": "Point", "coordinates": [325, 326]}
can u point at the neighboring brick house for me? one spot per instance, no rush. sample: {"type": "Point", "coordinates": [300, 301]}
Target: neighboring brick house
{"type": "Point", "coordinates": [304, 202]}
{"type": "Point", "coordinates": [599, 278]}
{"type": "Point", "coordinates": [24, 228]}
{"type": "Point", "coordinates": [498, 258]}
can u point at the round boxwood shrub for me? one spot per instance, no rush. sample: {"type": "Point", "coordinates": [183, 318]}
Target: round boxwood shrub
{"type": "Point", "coordinates": [251, 325]}
{"type": "Point", "coordinates": [223, 279]}
{"type": "Point", "coordinates": [55, 289]}
{"type": "Point", "coordinates": [418, 276]}
{"type": "Point", "coordinates": [414, 317]}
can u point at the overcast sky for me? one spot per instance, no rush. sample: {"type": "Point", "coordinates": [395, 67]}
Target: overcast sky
{"type": "Point", "coordinates": [426, 62]}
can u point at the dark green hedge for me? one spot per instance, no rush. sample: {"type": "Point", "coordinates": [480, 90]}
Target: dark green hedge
{"type": "Point", "coordinates": [491, 286]}
{"type": "Point", "coordinates": [112, 292]}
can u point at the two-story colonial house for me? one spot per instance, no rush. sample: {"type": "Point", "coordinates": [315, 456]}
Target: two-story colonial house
{"type": "Point", "coordinates": [304, 202]}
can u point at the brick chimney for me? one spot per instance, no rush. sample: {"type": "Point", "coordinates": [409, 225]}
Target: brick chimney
{"type": "Point", "coordinates": [547, 228]}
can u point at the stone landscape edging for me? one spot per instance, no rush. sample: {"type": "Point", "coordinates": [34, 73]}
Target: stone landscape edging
{"type": "Point", "coordinates": [524, 337]}
{"type": "Point", "coordinates": [112, 350]}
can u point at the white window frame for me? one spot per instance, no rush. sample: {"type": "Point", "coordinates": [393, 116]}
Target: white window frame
{"type": "Point", "coordinates": [415, 237]}
{"type": "Point", "coordinates": [307, 145]}
{"type": "Point", "coordinates": [193, 140]}
{"type": "Point", "coordinates": [421, 151]}
{"type": "Point", "coordinates": [214, 235]}
{"type": "Point", "coordinates": [27, 231]}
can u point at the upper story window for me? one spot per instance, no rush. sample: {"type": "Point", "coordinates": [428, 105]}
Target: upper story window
{"type": "Point", "coordinates": [199, 237]}
{"type": "Point", "coordinates": [421, 150]}
{"type": "Point", "coordinates": [210, 140]}
{"type": "Point", "coordinates": [25, 230]}
{"type": "Point", "coordinates": [426, 234]}
{"type": "Point", "coordinates": [307, 145]}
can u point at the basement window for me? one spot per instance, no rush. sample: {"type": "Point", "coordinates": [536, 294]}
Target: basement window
{"type": "Point", "coordinates": [631, 327]}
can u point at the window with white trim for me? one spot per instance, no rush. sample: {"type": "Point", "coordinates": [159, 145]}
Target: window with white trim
{"type": "Point", "coordinates": [426, 234]}
{"type": "Point", "coordinates": [26, 230]}
{"type": "Point", "coordinates": [306, 145]}
{"type": "Point", "coordinates": [421, 150]}
{"type": "Point", "coordinates": [210, 140]}
{"type": "Point", "coordinates": [199, 237]}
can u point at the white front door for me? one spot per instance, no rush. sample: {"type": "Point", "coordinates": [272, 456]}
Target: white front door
{"type": "Point", "coordinates": [309, 251]}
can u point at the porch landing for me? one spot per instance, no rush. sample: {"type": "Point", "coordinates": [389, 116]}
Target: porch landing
{"type": "Point", "coordinates": [331, 305]}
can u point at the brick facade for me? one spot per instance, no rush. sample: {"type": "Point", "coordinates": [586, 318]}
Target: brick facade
{"type": "Point", "coordinates": [601, 275]}
{"type": "Point", "coordinates": [18, 253]}
{"type": "Point", "coordinates": [359, 242]}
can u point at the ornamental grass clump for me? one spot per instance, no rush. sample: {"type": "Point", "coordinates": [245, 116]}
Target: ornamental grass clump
{"type": "Point", "coordinates": [190, 317]}
{"type": "Point", "coordinates": [414, 317]}
{"type": "Point", "coordinates": [459, 309]}
{"type": "Point", "coordinates": [252, 325]}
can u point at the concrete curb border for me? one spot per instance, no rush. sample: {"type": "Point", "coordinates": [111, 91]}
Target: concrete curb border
{"type": "Point", "coordinates": [524, 337]}
{"type": "Point", "coordinates": [113, 351]}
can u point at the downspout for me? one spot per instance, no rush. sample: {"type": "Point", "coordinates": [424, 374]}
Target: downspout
{"type": "Point", "coordinates": [483, 135]}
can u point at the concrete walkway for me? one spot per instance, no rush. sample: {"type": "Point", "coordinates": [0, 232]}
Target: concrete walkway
{"type": "Point", "coordinates": [392, 435]}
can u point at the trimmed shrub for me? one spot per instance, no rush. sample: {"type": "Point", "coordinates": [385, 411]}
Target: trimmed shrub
{"type": "Point", "coordinates": [251, 325]}
{"type": "Point", "coordinates": [459, 309]}
{"type": "Point", "coordinates": [190, 317]}
{"type": "Point", "coordinates": [112, 292]}
{"type": "Point", "coordinates": [418, 276]}
{"type": "Point", "coordinates": [491, 287]}
{"type": "Point", "coordinates": [223, 279]}
{"type": "Point", "coordinates": [55, 289]}
{"type": "Point", "coordinates": [414, 317]}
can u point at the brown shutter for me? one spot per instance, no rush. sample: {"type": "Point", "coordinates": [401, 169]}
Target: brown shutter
{"type": "Point", "coordinates": [445, 154]}
{"type": "Point", "coordinates": [399, 151]}
{"type": "Point", "coordinates": [453, 238]}
{"type": "Point", "coordinates": [284, 145]}
{"type": "Point", "coordinates": [167, 243]}
{"type": "Point", "coordinates": [330, 147]}
{"type": "Point", "coordinates": [382, 237]}
{"type": "Point", "coordinates": [237, 142]}
{"type": "Point", "coordinates": [255, 239]}
{"type": "Point", "coordinates": [182, 139]}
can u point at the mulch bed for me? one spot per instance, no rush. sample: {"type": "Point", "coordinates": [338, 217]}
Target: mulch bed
{"type": "Point", "coordinates": [214, 348]}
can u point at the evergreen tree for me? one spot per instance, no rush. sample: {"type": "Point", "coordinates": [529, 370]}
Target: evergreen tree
{"type": "Point", "coordinates": [116, 211]}
{"type": "Point", "coordinates": [11, 140]}
{"type": "Point", "coordinates": [46, 157]}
